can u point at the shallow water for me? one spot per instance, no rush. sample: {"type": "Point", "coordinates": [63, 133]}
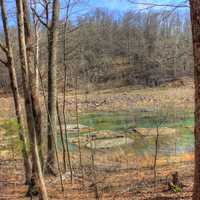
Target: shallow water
{"type": "Point", "coordinates": [125, 122]}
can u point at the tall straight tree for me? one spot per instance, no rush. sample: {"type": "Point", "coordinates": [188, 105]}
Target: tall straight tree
{"type": "Point", "coordinates": [52, 88]}
{"type": "Point", "coordinates": [38, 176]}
{"type": "Point", "coordinates": [195, 19]}
{"type": "Point", "coordinates": [14, 86]}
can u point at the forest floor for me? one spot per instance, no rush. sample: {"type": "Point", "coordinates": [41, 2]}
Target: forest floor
{"type": "Point", "coordinates": [124, 184]}
{"type": "Point", "coordinates": [134, 180]}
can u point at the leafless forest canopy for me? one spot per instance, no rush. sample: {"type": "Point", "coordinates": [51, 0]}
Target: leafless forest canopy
{"type": "Point", "coordinates": [109, 49]}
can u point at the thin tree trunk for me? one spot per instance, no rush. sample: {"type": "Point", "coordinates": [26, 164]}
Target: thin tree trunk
{"type": "Point", "coordinates": [62, 138]}
{"type": "Point", "coordinates": [155, 157]}
{"type": "Point", "coordinates": [195, 19]}
{"type": "Point", "coordinates": [36, 53]}
{"type": "Point", "coordinates": [78, 130]}
{"type": "Point", "coordinates": [28, 102]}
{"type": "Point", "coordinates": [15, 91]}
{"type": "Point", "coordinates": [64, 90]}
{"type": "Point", "coordinates": [51, 167]}
{"type": "Point", "coordinates": [94, 178]}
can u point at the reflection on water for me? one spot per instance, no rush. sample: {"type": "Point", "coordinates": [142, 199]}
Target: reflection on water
{"type": "Point", "coordinates": [181, 141]}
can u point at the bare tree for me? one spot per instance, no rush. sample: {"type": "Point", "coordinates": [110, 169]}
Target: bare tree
{"type": "Point", "coordinates": [78, 131]}
{"type": "Point", "coordinates": [52, 88]}
{"type": "Point", "coordinates": [33, 84]}
{"type": "Point", "coordinates": [36, 39]}
{"type": "Point", "coordinates": [14, 86]}
{"type": "Point", "coordinates": [28, 105]}
{"type": "Point", "coordinates": [65, 45]}
{"type": "Point", "coordinates": [62, 138]}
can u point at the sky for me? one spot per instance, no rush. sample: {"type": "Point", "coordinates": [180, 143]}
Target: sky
{"type": "Point", "coordinates": [123, 5]}
{"type": "Point", "coordinates": [120, 6]}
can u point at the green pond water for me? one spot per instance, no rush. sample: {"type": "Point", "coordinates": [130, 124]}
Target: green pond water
{"type": "Point", "coordinates": [124, 122]}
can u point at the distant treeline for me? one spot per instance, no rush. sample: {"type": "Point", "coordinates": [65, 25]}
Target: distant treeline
{"type": "Point", "coordinates": [103, 48]}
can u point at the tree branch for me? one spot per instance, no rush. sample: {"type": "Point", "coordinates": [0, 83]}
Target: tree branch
{"type": "Point", "coordinates": [180, 5]}
{"type": "Point", "coordinates": [3, 47]}
{"type": "Point", "coordinates": [3, 62]}
{"type": "Point", "coordinates": [39, 18]}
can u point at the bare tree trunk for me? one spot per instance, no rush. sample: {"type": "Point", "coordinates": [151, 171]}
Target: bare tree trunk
{"type": "Point", "coordinates": [56, 151]}
{"type": "Point", "coordinates": [64, 90]}
{"type": "Point", "coordinates": [36, 53]}
{"type": "Point", "coordinates": [36, 60]}
{"type": "Point", "coordinates": [51, 167]}
{"type": "Point", "coordinates": [94, 178]}
{"type": "Point", "coordinates": [62, 138]}
{"type": "Point", "coordinates": [31, 67]}
{"type": "Point", "coordinates": [78, 130]}
{"type": "Point", "coordinates": [195, 19]}
{"type": "Point", "coordinates": [28, 101]}
{"type": "Point", "coordinates": [155, 157]}
{"type": "Point", "coordinates": [15, 91]}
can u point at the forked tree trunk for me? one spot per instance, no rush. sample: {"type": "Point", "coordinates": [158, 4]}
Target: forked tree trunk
{"type": "Point", "coordinates": [15, 91]}
{"type": "Point", "coordinates": [51, 167]}
{"type": "Point", "coordinates": [195, 19]}
{"type": "Point", "coordinates": [28, 101]}
{"type": "Point", "coordinates": [33, 81]}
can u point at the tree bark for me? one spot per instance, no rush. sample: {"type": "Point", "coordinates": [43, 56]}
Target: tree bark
{"type": "Point", "coordinates": [31, 67]}
{"type": "Point", "coordinates": [51, 167]}
{"type": "Point", "coordinates": [195, 19]}
{"type": "Point", "coordinates": [62, 138]}
{"type": "Point", "coordinates": [28, 101]}
{"type": "Point", "coordinates": [36, 52]}
{"type": "Point", "coordinates": [15, 91]}
{"type": "Point", "coordinates": [65, 87]}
